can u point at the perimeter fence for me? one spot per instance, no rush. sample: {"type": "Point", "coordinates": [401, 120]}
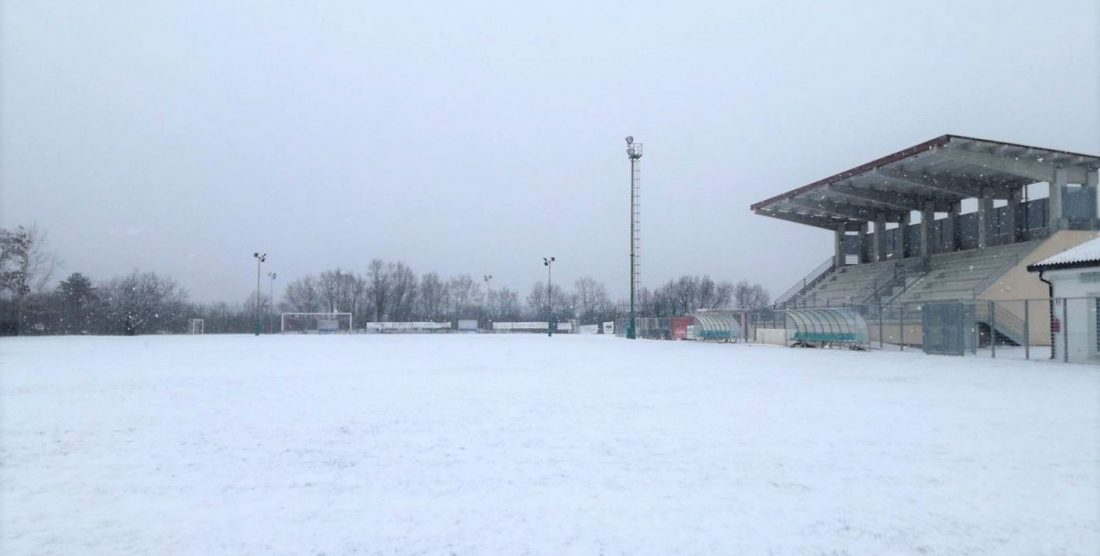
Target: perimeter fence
{"type": "Point", "coordinates": [1061, 328]}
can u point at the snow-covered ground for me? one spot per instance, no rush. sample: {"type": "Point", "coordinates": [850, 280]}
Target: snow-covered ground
{"type": "Point", "coordinates": [527, 444]}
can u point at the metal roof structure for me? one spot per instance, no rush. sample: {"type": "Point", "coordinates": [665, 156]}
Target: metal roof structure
{"type": "Point", "coordinates": [941, 171]}
{"type": "Point", "coordinates": [717, 325]}
{"type": "Point", "coordinates": [828, 326]}
{"type": "Point", "coordinates": [1084, 255]}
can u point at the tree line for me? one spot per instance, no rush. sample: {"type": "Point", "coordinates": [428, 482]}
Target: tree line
{"type": "Point", "coordinates": [145, 302]}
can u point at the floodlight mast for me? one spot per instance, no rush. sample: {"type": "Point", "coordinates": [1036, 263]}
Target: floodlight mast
{"type": "Point", "coordinates": [549, 264]}
{"type": "Point", "coordinates": [260, 258]}
{"type": "Point", "coordinates": [634, 153]}
{"type": "Point", "coordinates": [271, 293]}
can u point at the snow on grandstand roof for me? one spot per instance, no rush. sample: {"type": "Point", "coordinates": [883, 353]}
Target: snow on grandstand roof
{"type": "Point", "coordinates": [1085, 254]}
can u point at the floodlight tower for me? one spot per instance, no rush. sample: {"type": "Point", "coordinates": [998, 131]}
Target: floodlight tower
{"type": "Point", "coordinates": [488, 300]}
{"type": "Point", "coordinates": [634, 153]}
{"type": "Point", "coordinates": [271, 289]}
{"type": "Point", "coordinates": [259, 261]}
{"type": "Point", "coordinates": [549, 264]}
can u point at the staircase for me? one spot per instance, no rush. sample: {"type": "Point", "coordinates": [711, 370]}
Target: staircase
{"type": "Point", "coordinates": [1003, 321]}
{"type": "Point", "coordinates": [790, 296]}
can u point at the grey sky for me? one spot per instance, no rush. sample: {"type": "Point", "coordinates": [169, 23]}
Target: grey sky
{"type": "Point", "coordinates": [179, 137]}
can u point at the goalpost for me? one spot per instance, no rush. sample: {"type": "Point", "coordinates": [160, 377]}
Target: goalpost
{"type": "Point", "coordinates": [195, 326]}
{"type": "Point", "coordinates": [316, 323]}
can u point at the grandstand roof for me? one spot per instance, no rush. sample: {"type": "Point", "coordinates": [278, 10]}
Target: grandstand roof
{"type": "Point", "coordinates": [1084, 255]}
{"type": "Point", "coordinates": [942, 171]}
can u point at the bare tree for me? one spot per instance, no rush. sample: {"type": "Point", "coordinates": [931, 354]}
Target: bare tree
{"type": "Point", "coordinates": [26, 266]}
{"type": "Point", "coordinates": [543, 304]}
{"type": "Point", "coordinates": [433, 298]}
{"type": "Point", "coordinates": [644, 303]}
{"type": "Point", "coordinates": [302, 296]}
{"type": "Point", "coordinates": [536, 301]}
{"type": "Point", "coordinates": [503, 305]}
{"type": "Point", "coordinates": [591, 299]}
{"type": "Point", "coordinates": [140, 303]}
{"type": "Point", "coordinates": [723, 295]}
{"type": "Point", "coordinates": [378, 289]}
{"type": "Point", "coordinates": [402, 291]}
{"type": "Point", "coordinates": [750, 296]}
{"type": "Point", "coordinates": [686, 295]}
{"type": "Point", "coordinates": [465, 297]}
{"type": "Point", "coordinates": [341, 292]}
{"type": "Point", "coordinates": [249, 305]}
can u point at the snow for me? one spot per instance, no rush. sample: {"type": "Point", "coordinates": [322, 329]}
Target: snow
{"type": "Point", "coordinates": [513, 444]}
{"type": "Point", "coordinates": [1088, 251]}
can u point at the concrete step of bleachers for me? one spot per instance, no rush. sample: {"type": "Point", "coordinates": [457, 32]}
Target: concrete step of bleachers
{"type": "Point", "coordinates": [957, 275]}
{"type": "Point", "coordinates": [950, 276]}
{"type": "Point", "coordinates": [844, 283]}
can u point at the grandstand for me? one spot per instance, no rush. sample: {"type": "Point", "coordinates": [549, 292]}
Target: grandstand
{"type": "Point", "coordinates": [951, 219]}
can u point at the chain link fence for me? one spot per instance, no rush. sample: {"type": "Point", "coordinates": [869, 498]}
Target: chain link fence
{"type": "Point", "coordinates": [1064, 329]}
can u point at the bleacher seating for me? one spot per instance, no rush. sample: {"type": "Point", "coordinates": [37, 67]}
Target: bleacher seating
{"type": "Point", "coordinates": [957, 275]}
{"type": "Point", "coordinates": [843, 285]}
{"type": "Point", "coordinates": [949, 276]}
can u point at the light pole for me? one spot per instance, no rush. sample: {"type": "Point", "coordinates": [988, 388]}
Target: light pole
{"type": "Point", "coordinates": [259, 261]}
{"type": "Point", "coordinates": [271, 292]}
{"type": "Point", "coordinates": [633, 152]}
{"type": "Point", "coordinates": [489, 299]}
{"type": "Point", "coordinates": [548, 263]}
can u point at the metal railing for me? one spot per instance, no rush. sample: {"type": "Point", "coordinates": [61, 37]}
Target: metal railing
{"type": "Point", "coordinates": [898, 274]}
{"type": "Point", "coordinates": [1002, 320]}
{"type": "Point", "coordinates": [869, 291]}
{"type": "Point", "coordinates": [806, 283]}
{"type": "Point", "coordinates": [996, 273]}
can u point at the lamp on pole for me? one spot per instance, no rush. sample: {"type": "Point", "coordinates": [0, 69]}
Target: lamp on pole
{"type": "Point", "coordinates": [271, 291]}
{"type": "Point", "coordinates": [260, 258]}
{"type": "Point", "coordinates": [548, 263]}
{"type": "Point", "coordinates": [634, 153]}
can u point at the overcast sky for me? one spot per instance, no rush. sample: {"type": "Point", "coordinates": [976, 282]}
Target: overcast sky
{"type": "Point", "coordinates": [179, 137]}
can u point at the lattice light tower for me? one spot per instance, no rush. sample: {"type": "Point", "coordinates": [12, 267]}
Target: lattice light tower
{"type": "Point", "coordinates": [634, 153]}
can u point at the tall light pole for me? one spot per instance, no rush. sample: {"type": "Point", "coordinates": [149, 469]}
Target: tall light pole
{"type": "Point", "coordinates": [548, 263]}
{"type": "Point", "coordinates": [271, 292]}
{"type": "Point", "coordinates": [259, 261]}
{"type": "Point", "coordinates": [634, 153]}
{"type": "Point", "coordinates": [488, 300]}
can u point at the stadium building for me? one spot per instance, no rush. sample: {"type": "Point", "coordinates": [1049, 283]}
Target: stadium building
{"type": "Point", "coordinates": [951, 219]}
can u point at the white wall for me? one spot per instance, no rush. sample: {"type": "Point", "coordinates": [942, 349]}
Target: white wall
{"type": "Point", "coordinates": [773, 336]}
{"type": "Point", "coordinates": [1077, 313]}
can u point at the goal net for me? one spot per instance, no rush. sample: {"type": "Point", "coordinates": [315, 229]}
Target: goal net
{"type": "Point", "coordinates": [195, 326]}
{"type": "Point", "coordinates": [315, 323]}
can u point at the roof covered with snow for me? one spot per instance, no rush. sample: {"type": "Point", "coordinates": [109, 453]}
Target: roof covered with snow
{"type": "Point", "coordinates": [1084, 255]}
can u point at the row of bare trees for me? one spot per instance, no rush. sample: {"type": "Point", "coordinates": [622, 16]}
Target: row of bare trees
{"type": "Point", "coordinates": [391, 291]}
{"type": "Point", "coordinates": [137, 303]}
{"type": "Point", "coordinates": [145, 302]}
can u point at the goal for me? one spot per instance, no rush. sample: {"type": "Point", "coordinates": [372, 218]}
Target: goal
{"type": "Point", "coordinates": [316, 323]}
{"type": "Point", "coordinates": [195, 326]}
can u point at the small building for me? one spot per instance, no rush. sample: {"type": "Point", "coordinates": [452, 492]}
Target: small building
{"type": "Point", "coordinates": [1074, 279]}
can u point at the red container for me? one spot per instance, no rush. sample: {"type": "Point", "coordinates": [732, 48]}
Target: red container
{"type": "Point", "coordinates": [678, 327]}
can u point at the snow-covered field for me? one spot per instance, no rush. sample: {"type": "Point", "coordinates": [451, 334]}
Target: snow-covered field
{"type": "Point", "coordinates": [527, 444]}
